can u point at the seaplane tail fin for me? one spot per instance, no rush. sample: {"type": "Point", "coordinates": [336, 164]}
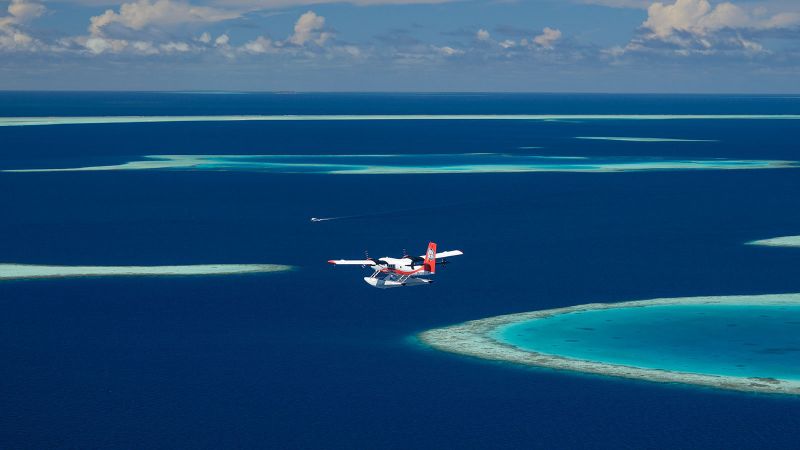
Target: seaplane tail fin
{"type": "Point", "coordinates": [430, 258]}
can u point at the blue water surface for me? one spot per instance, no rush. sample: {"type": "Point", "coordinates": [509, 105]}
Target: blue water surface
{"type": "Point", "coordinates": [316, 358]}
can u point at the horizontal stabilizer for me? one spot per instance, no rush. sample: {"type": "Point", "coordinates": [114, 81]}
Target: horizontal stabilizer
{"type": "Point", "coordinates": [448, 254]}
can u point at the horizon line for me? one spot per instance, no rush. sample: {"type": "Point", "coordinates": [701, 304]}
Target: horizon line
{"type": "Point", "coordinates": [284, 91]}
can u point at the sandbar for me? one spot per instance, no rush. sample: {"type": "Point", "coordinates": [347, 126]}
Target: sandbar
{"type": "Point", "coordinates": [783, 241]}
{"type": "Point", "coordinates": [640, 139]}
{"type": "Point", "coordinates": [478, 339]}
{"type": "Point", "coordinates": [94, 120]}
{"type": "Point", "coordinates": [26, 271]}
{"type": "Point", "coordinates": [388, 164]}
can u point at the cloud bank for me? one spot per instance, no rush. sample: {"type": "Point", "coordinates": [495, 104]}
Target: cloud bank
{"type": "Point", "coordinates": [233, 34]}
{"type": "Point", "coordinates": [692, 27]}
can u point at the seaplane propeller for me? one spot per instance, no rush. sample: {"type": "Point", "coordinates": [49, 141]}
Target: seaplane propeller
{"type": "Point", "coordinates": [366, 257]}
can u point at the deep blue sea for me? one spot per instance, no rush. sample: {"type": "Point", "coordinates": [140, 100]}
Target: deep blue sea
{"type": "Point", "coordinates": [316, 358]}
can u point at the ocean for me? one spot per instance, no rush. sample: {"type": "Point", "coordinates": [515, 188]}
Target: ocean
{"type": "Point", "coordinates": [316, 358]}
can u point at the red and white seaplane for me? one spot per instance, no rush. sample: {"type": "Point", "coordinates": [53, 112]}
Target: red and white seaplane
{"type": "Point", "coordinates": [405, 271]}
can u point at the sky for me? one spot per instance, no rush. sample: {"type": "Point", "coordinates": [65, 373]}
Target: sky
{"type": "Point", "coordinates": [669, 46]}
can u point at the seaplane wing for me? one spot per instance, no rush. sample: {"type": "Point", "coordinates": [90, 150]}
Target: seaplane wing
{"type": "Point", "coordinates": [352, 262]}
{"type": "Point", "coordinates": [447, 254]}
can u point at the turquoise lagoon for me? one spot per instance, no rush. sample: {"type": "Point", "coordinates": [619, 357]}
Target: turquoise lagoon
{"type": "Point", "coordinates": [729, 340]}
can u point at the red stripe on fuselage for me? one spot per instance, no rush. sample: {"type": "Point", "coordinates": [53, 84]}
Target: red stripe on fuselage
{"type": "Point", "coordinates": [400, 272]}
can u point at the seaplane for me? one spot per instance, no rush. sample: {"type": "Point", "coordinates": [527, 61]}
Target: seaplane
{"type": "Point", "coordinates": [399, 272]}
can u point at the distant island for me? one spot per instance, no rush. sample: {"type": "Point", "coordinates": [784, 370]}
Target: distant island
{"type": "Point", "coordinates": [485, 339]}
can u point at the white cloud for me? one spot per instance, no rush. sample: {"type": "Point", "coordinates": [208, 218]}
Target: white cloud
{"type": "Point", "coordinates": [143, 13]}
{"type": "Point", "coordinates": [98, 45]}
{"type": "Point", "coordinates": [448, 51]}
{"type": "Point", "coordinates": [548, 38]}
{"type": "Point", "coordinates": [222, 40]}
{"type": "Point", "coordinates": [259, 45]}
{"type": "Point", "coordinates": [352, 51]}
{"type": "Point", "coordinates": [699, 18]}
{"type": "Point", "coordinates": [508, 43]}
{"type": "Point", "coordinates": [309, 28]}
{"type": "Point", "coordinates": [782, 20]}
{"type": "Point", "coordinates": [144, 48]}
{"type": "Point", "coordinates": [12, 34]}
{"type": "Point", "coordinates": [175, 47]}
{"type": "Point", "coordinates": [699, 27]}
{"type": "Point", "coordinates": [23, 11]}
{"type": "Point", "coordinates": [692, 16]}
{"type": "Point", "coordinates": [751, 46]}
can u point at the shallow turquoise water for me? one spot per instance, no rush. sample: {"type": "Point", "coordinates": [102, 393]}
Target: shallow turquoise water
{"type": "Point", "coordinates": [750, 341]}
